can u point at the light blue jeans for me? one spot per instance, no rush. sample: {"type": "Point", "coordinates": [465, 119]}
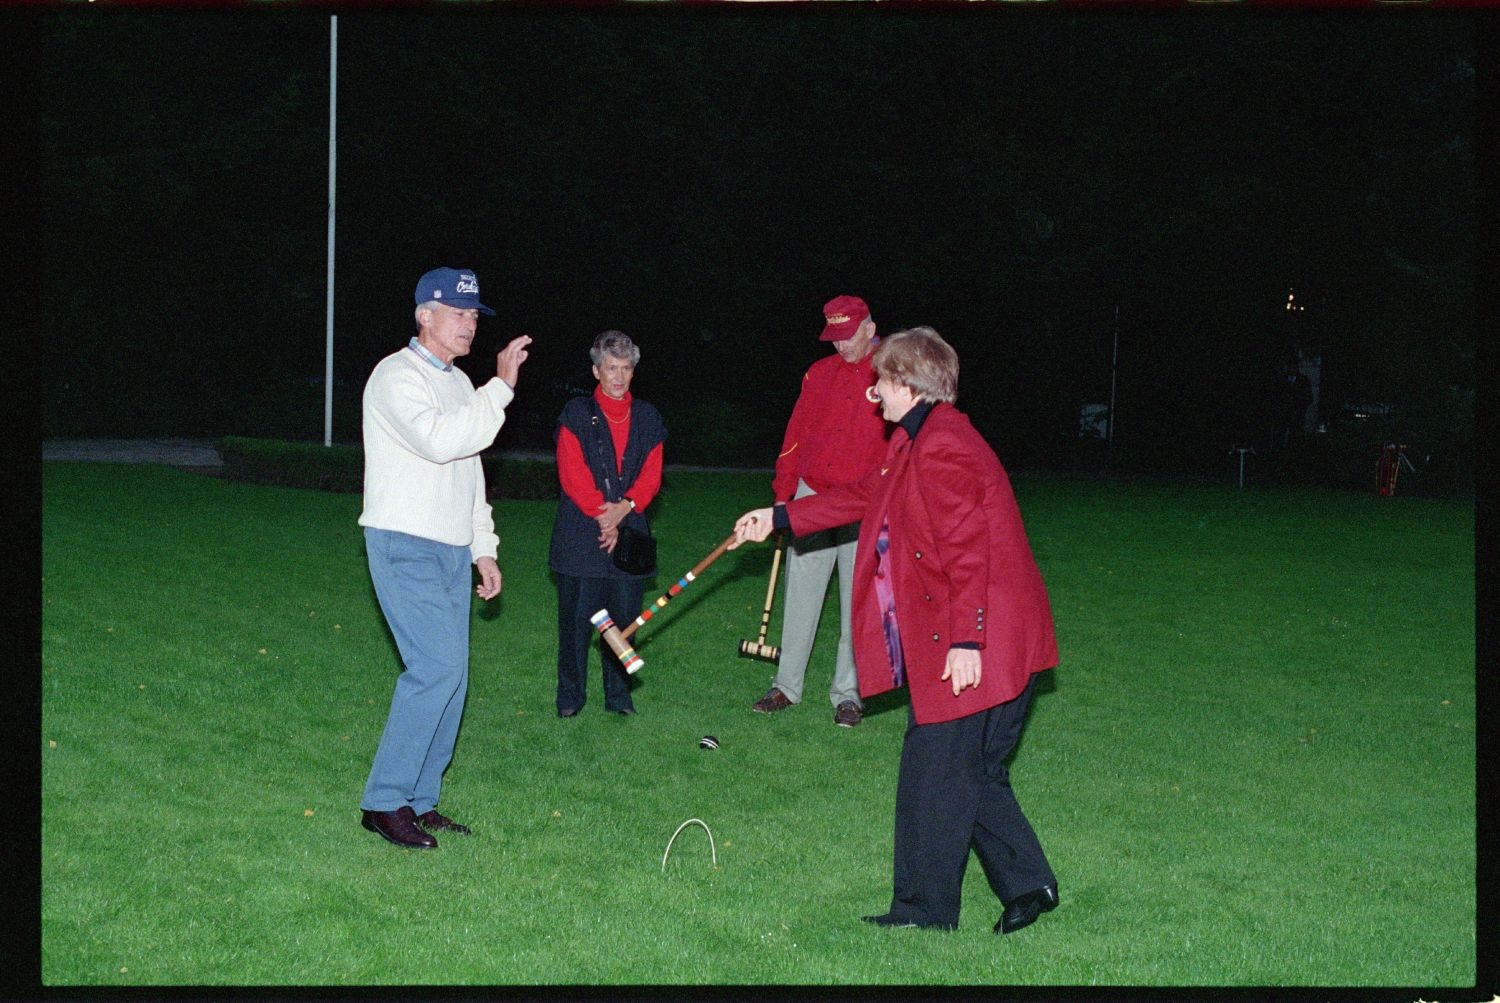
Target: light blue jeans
{"type": "Point", "coordinates": [424, 588]}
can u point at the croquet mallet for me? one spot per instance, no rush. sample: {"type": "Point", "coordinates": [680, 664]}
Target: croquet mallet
{"type": "Point", "coordinates": [759, 648]}
{"type": "Point", "coordinates": [616, 638]}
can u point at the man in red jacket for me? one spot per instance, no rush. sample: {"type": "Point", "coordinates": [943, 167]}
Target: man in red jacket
{"type": "Point", "coordinates": [836, 435]}
{"type": "Point", "coordinates": [951, 605]}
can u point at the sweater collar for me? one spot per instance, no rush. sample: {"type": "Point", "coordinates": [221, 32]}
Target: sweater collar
{"type": "Point", "coordinates": [421, 349]}
{"type": "Point", "coordinates": [616, 410]}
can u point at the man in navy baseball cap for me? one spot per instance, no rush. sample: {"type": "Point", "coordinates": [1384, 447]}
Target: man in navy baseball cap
{"type": "Point", "coordinates": [455, 287]}
{"type": "Point", "coordinates": [429, 529]}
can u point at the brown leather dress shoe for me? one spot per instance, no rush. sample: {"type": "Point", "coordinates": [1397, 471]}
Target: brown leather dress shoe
{"type": "Point", "coordinates": [848, 714]}
{"type": "Point", "coordinates": [433, 820]}
{"type": "Point", "coordinates": [773, 701]}
{"type": "Point", "coordinates": [399, 826]}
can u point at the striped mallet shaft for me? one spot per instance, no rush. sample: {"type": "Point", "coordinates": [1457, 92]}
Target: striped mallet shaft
{"type": "Point", "coordinates": [665, 598]}
{"type": "Point", "coordinates": [633, 663]}
{"type": "Point", "coordinates": [681, 584]}
{"type": "Point", "coordinates": [615, 637]}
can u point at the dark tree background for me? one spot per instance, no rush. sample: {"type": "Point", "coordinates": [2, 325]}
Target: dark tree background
{"type": "Point", "coordinates": [705, 179]}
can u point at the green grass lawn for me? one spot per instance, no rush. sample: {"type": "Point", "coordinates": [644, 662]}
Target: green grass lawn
{"type": "Point", "coordinates": [1255, 765]}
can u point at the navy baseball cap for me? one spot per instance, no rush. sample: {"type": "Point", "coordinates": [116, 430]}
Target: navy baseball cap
{"type": "Point", "coordinates": [455, 287]}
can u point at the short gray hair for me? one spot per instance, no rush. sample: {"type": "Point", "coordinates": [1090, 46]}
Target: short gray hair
{"type": "Point", "coordinates": [617, 344]}
{"type": "Point", "coordinates": [429, 305]}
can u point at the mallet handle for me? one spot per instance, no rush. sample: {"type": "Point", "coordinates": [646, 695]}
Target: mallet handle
{"type": "Point", "coordinates": [765, 618]}
{"type": "Point", "coordinates": [682, 583]}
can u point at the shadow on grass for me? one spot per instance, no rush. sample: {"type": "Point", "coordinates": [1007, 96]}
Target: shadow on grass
{"type": "Point", "coordinates": [888, 702]}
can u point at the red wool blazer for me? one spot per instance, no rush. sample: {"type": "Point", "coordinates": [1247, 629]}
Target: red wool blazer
{"type": "Point", "coordinates": [961, 568]}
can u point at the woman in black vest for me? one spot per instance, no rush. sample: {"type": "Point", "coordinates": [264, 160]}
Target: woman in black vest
{"type": "Point", "coordinates": [609, 460]}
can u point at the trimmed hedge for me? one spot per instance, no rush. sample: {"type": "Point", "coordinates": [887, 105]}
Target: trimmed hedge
{"type": "Point", "coordinates": [513, 477]}
{"type": "Point", "coordinates": [342, 468]}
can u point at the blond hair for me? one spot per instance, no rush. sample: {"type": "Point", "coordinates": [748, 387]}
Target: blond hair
{"type": "Point", "coordinates": [920, 360]}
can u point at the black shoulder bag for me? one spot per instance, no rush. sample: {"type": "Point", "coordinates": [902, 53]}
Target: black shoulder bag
{"type": "Point", "coordinates": [635, 551]}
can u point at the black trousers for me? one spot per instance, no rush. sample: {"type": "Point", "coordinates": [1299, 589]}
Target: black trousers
{"type": "Point", "coordinates": [953, 792]}
{"type": "Point", "coordinates": [577, 600]}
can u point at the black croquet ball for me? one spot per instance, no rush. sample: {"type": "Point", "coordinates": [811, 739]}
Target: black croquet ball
{"type": "Point", "coordinates": [708, 742]}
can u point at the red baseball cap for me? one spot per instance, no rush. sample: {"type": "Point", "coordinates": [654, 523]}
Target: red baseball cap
{"type": "Point", "coordinates": [842, 316]}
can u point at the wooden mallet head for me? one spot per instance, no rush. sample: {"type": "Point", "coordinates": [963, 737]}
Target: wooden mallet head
{"type": "Point", "coordinates": [623, 651]}
{"type": "Point", "coordinates": [759, 649]}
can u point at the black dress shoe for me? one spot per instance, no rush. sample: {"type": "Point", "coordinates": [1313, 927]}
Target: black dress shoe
{"type": "Point", "coordinates": [570, 712]}
{"type": "Point", "coordinates": [1024, 909]}
{"type": "Point", "coordinates": [887, 920]}
{"type": "Point", "coordinates": [399, 826]}
{"type": "Point", "coordinates": [434, 820]}
{"type": "Point", "coordinates": [901, 922]}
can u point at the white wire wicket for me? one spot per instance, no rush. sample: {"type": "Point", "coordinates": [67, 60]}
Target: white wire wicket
{"type": "Point", "coordinates": [711, 848]}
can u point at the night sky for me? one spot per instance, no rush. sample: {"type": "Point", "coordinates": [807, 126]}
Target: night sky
{"type": "Point", "coordinates": [705, 179]}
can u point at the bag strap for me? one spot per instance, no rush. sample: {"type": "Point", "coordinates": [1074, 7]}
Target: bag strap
{"type": "Point", "coordinates": [604, 453]}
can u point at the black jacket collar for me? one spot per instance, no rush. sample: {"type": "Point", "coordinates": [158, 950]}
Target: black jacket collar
{"type": "Point", "coordinates": [913, 419]}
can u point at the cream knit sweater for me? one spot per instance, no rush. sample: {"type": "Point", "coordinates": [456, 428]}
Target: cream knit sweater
{"type": "Point", "coordinates": [423, 431]}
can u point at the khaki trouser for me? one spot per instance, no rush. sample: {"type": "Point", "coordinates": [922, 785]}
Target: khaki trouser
{"type": "Point", "coordinates": [810, 562]}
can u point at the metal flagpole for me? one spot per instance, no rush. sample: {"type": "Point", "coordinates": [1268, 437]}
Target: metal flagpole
{"type": "Point", "coordinates": [333, 105]}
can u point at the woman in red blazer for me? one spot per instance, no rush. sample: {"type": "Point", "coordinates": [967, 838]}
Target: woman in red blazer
{"type": "Point", "coordinates": [948, 602]}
